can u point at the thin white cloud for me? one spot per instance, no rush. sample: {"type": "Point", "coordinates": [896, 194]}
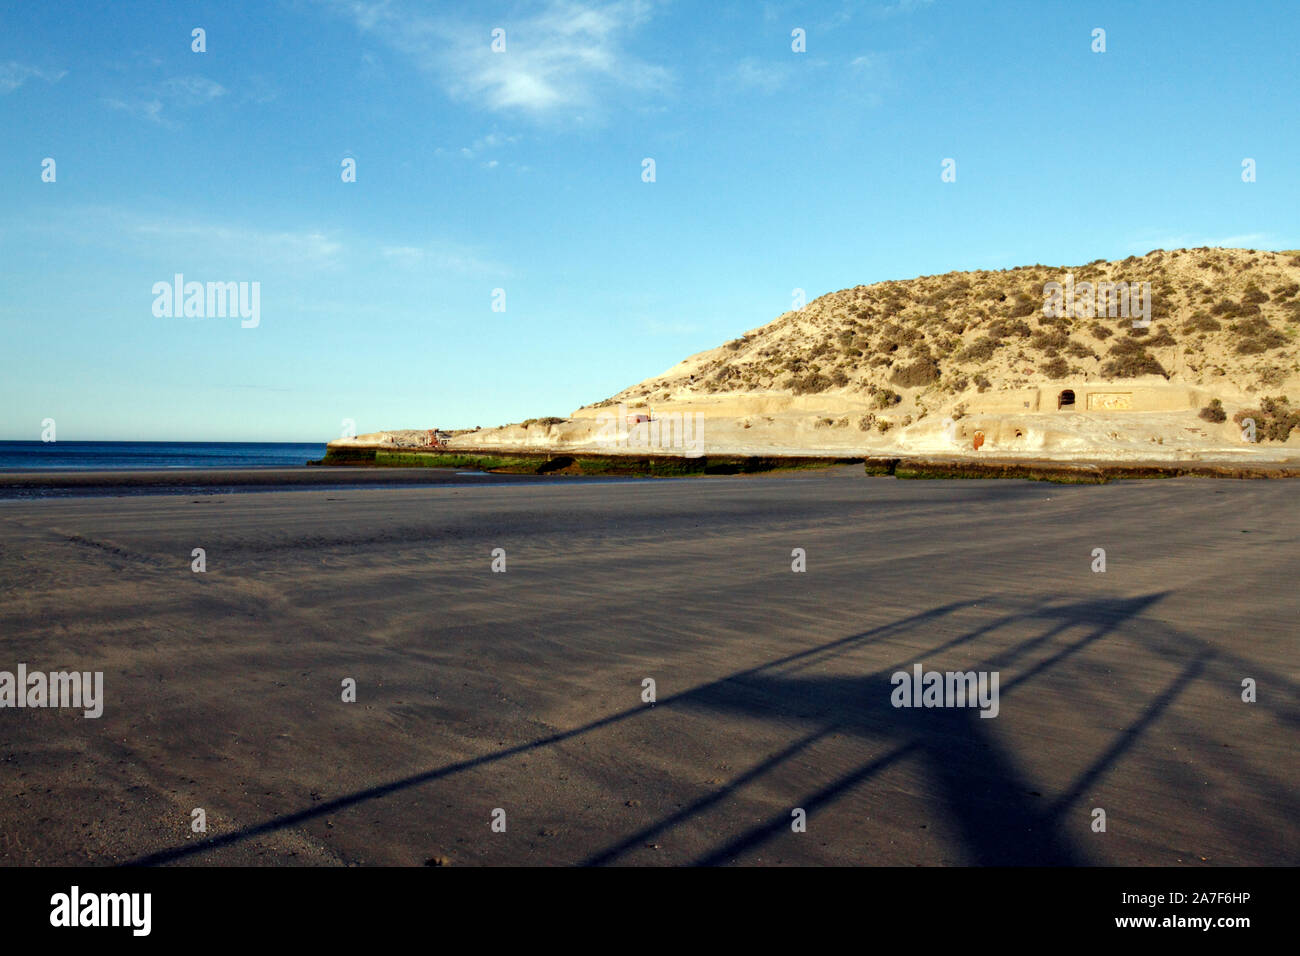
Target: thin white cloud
{"type": "Point", "coordinates": [871, 75]}
{"type": "Point", "coordinates": [191, 90]}
{"type": "Point", "coordinates": [492, 142]}
{"type": "Point", "coordinates": [309, 246]}
{"type": "Point", "coordinates": [177, 92]}
{"type": "Point", "coordinates": [14, 74]}
{"type": "Point", "coordinates": [145, 109]}
{"type": "Point", "coordinates": [902, 7]}
{"type": "Point", "coordinates": [238, 245]}
{"type": "Point", "coordinates": [766, 77]}
{"type": "Point", "coordinates": [565, 59]}
{"type": "Point", "coordinates": [121, 228]}
{"type": "Point", "coordinates": [443, 257]}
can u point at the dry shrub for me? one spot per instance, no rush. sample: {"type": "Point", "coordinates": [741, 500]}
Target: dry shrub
{"type": "Point", "coordinates": [1201, 322]}
{"type": "Point", "coordinates": [981, 350]}
{"type": "Point", "coordinates": [1056, 368]}
{"type": "Point", "coordinates": [1214, 412]}
{"type": "Point", "coordinates": [1129, 359]}
{"type": "Point", "coordinates": [924, 371]}
{"type": "Point", "coordinates": [1274, 419]}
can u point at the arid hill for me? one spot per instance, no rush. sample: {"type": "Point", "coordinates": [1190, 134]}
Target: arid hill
{"type": "Point", "coordinates": [1218, 317]}
{"type": "Point", "coordinates": [973, 363]}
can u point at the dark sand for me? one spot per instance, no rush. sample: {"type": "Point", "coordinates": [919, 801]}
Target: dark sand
{"type": "Point", "coordinates": [209, 481]}
{"type": "Point", "coordinates": [522, 690]}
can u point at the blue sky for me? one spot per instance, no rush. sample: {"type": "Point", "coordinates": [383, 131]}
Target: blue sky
{"type": "Point", "coordinates": [522, 170]}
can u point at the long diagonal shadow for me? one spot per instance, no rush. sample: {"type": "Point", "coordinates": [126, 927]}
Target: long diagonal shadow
{"type": "Point", "coordinates": [812, 802]}
{"type": "Point", "coordinates": [851, 699]}
{"type": "Point", "coordinates": [610, 853]}
{"type": "Point", "coordinates": [997, 823]}
{"type": "Point", "coordinates": [956, 746]}
{"type": "Point", "coordinates": [985, 822]}
{"type": "Point", "coordinates": [382, 790]}
{"type": "Point", "coordinates": [1125, 741]}
{"type": "Point", "coordinates": [618, 849]}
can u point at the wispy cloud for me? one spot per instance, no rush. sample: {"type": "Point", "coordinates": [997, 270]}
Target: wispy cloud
{"type": "Point", "coordinates": [146, 109]}
{"type": "Point", "coordinates": [191, 90]}
{"type": "Point", "coordinates": [494, 140]}
{"type": "Point", "coordinates": [177, 92]}
{"type": "Point", "coordinates": [896, 7]}
{"type": "Point", "coordinates": [281, 246]}
{"type": "Point", "coordinates": [14, 74]}
{"type": "Point", "coordinates": [491, 142]}
{"type": "Point", "coordinates": [138, 233]}
{"type": "Point", "coordinates": [765, 77]}
{"type": "Point", "coordinates": [561, 60]}
{"type": "Point", "coordinates": [227, 244]}
{"type": "Point", "coordinates": [482, 148]}
{"type": "Point", "coordinates": [443, 257]}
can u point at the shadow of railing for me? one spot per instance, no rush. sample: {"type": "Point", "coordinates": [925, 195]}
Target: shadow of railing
{"type": "Point", "coordinates": [981, 790]}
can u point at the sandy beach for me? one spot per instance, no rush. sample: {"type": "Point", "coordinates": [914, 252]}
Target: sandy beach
{"type": "Point", "coordinates": [522, 690]}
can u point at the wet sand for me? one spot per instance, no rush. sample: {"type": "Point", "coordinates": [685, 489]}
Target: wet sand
{"type": "Point", "coordinates": [209, 481]}
{"type": "Point", "coordinates": [522, 690]}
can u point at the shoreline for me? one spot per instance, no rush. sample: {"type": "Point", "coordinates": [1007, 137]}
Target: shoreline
{"type": "Point", "coordinates": [520, 468]}
{"type": "Point", "coordinates": [208, 481]}
{"type": "Point", "coordinates": [541, 462]}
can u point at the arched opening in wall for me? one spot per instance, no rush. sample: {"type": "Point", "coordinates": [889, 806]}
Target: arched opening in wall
{"type": "Point", "coordinates": [1066, 399]}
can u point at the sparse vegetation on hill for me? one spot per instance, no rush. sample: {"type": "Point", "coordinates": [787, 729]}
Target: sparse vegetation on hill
{"type": "Point", "coordinates": [1215, 313]}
